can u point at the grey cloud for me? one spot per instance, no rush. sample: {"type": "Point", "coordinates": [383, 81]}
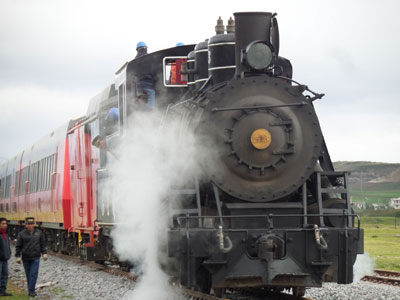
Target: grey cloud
{"type": "Point", "coordinates": [346, 49]}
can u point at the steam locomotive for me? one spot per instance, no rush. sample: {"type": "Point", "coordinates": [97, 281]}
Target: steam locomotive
{"type": "Point", "coordinates": [269, 211]}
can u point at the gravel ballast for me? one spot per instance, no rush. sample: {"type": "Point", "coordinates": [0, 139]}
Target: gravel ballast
{"type": "Point", "coordinates": [361, 290]}
{"type": "Point", "coordinates": [70, 280]}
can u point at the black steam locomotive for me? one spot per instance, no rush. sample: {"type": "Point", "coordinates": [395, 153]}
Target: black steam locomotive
{"type": "Point", "coordinates": [272, 213]}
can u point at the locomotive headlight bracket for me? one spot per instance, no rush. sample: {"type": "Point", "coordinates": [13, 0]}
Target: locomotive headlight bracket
{"type": "Point", "coordinates": [258, 55]}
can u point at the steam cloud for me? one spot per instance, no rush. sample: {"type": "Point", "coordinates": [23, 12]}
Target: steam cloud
{"type": "Point", "coordinates": [364, 265]}
{"type": "Point", "coordinates": [151, 158]}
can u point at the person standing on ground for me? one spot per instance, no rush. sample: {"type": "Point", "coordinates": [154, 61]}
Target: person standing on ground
{"type": "Point", "coordinates": [31, 244]}
{"type": "Point", "coordinates": [5, 254]}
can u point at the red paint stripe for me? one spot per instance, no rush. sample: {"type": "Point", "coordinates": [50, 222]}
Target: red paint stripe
{"type": "Point", "coordinates": [66, 199]}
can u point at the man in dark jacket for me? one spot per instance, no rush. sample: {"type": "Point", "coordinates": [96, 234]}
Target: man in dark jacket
{"type": "Point", "coordinates": [31, 244]}
{"type": "Point", "coordinates": [145, 83]}
{"type": "Point", "coordinates": [5, 253]}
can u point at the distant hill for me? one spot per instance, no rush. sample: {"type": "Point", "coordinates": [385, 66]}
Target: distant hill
{"type": "Point", "coordinates": [373, 182]}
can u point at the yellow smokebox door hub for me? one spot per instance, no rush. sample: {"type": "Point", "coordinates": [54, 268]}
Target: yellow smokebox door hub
{"type": "Point", "coordinates": [261, 138]}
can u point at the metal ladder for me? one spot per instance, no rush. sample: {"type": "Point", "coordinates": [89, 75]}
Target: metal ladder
{"type": "Point", "coordinates": [343, 190]}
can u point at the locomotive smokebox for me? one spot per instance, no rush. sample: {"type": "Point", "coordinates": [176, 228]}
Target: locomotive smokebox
{"type": "Point", "coordinates": [249, 27]}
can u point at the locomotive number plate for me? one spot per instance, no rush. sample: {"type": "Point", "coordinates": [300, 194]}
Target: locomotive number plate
{"type": "Point", "coordinates": [261, 138]}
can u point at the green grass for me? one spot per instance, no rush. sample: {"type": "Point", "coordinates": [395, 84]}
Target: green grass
{"type": "Point", "coordinates": [21, 294]}
{"type": "Point", "coordinates": [354, 165]}
{"type": "Point", "coordinates": [382, 241]}
{"type": "Point", "coordinates": [389, 213]}
{"type": "Point", "coordinates": [369, 199]}
{"type": "Point", "coordinates": [60, 291]}
{"type": "Point", "coordinates": [382, 186]}
{"type": "Point", "coordinates": [373, 196]}
{"type": "Point", "coordinates": [384, 194]}
{"type": "Point", "coordinates": [16, 291]}
{"type": "Point", "coordinates": [387, 222]}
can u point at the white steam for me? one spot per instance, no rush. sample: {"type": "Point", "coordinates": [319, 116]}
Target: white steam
{"type": "Point", "coordinates": [364, 265]}
{"type": "Point", "coordinates": [149, 159]}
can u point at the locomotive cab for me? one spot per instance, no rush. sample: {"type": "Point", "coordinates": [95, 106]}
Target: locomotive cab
{"type": "Point", "coordinates": [160, 65]}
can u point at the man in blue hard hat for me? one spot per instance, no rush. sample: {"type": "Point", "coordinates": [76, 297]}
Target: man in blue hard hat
{"type": "Point", "coordinates": [179, 44]}
{"type": "Point", "coordinates": [112, 120]}
{"type": "Point", "coordinates": [141, 49]}
{"type": "Point", "coordinates": [109, 140]}
{"type": "Point", "coordinates": [145, 92]}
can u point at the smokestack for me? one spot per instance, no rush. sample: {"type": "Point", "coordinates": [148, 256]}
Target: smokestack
{"type": "Point", "coordinates": [250, 26]}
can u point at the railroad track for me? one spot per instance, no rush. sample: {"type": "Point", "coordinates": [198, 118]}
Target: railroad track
{"type": "Point", "coordinates": [387, 273]}
{"type": "Point", "coordinates": [260, 294]}
{"type": "Point", "coordinates": [384, 277]}
{"type": "Point", "coordinates": [193, 295]}
{"type": "Point", "coordinates": [248, 294]}
{"type": "Point", "coordinates": [105, 268]}
{"type": "Point", "coordinates": [241, 295]}
{"type": "Point", "coordinates": [380, 276]}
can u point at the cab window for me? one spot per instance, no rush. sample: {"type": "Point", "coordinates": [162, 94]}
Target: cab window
{"type": "Point", "coordinates": [173, 71]}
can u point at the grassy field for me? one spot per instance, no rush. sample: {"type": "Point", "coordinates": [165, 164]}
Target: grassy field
{"type": "Point", "coordinates": [382, 241]}
{"type": "Point", "coordinates": [16, 291]}
{"type": "Point", "coordinates": [374, 196]}
{"type": "Point", "coordinates": [21, 294]}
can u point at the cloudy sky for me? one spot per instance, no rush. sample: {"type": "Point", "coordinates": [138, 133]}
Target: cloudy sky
{"type": "Point", "coordinates": [55, 55]}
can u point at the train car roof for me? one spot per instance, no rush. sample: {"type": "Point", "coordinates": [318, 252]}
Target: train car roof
{"type": "Point", "coordinates": [146, 63]}
{"type": "Point", "coordinates": [46, 146]}
{"type": "Point", "coordinates": [3, 169]}
{"type": "Point", "coordinates": [7, 167]}
{"type": "Point", "coordinates": [98, 101]}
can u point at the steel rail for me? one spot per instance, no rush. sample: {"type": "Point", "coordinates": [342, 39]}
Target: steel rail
{"type": "Point", "coordinates": [387, 273]}
{"type": "Point", "coordinates": [381, 279]}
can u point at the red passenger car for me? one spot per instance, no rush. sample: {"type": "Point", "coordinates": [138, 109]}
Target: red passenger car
{"type": "Point", "coordinates": [53, 181]}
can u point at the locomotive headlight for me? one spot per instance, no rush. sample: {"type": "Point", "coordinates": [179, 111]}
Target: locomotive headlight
{"type": "Point", "coordinates": [258, 55]}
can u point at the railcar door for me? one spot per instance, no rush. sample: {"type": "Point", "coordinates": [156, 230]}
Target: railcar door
{"type": "Point", "coordinates": [81, 178]}
{"type": "Point", "coordinates": [110, 130]}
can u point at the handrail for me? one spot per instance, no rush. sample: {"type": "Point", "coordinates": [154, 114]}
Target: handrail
{"type": "Point", "coordinates": [269, 218]}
